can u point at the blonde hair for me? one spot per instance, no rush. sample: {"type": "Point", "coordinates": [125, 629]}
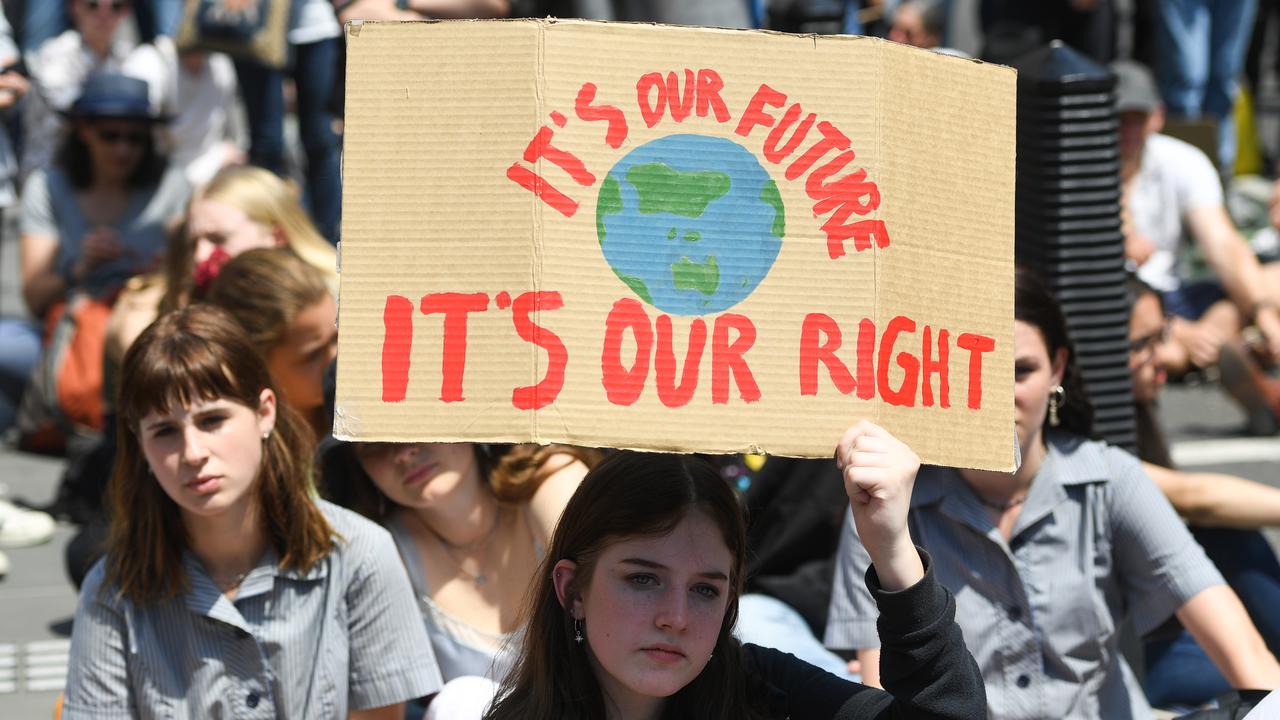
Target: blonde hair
{"type": "Point", "coordinates": [267, 200]}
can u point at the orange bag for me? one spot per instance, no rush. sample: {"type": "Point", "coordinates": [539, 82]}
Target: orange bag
{"type": "Point", "coordinates": [65, 393]}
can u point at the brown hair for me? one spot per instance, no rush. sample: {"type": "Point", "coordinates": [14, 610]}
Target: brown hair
{"type": "Point", "coordinates": [267, 200]}
{"type": "Point", "coordinates": [1035, 305]}
{"type": "Point", "coordinates": [265, 289]}
{"type": "Point", "coordinates": [196, 353]}
{"type": "Point", "coordinates": [513, 472]}
{"type": "Point", "coordinates": [627, 495]}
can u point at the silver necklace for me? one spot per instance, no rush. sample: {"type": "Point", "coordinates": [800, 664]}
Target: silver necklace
{"type": "Point", "coordinates": [451, 549]}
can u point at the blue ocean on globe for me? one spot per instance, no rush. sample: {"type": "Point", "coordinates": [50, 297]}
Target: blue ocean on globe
{"type": "Point", "coordinates": [691, 223]}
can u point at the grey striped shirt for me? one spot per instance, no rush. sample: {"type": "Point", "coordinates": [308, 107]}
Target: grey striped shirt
{"type": "Point", "coordinates": [345, 634]}
{"type": "Point", "coordinates": [1096, 544]}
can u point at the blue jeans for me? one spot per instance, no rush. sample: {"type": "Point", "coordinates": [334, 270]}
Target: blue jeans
{"type": "Point", "coordinates": [1179, 673]}
{"type": "Point", "coordinates": [43, 19]}
{"type": "Point", "coordinates": [1201, 46]}
{"type": "Point", "coordinates": [19, 352]}
{"type": "Point", "coordinates": [768, 622]}
{"type": "Point", "coordinates": [314, 73]}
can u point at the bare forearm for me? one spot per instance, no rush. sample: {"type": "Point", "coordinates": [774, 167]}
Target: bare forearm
{"type": "Point", "coordinates": [1217, 500]}
{"type": "Point", "coordinates": [1241, 276]}
{"type": "Point", "coordinates": [1230, 256]}
{"type": "Point", "coordinates": [869, 658]}
{"type": "Point", "coordinates": [1219, 623]}
{"type": "Point", "coordinates": [898, 566]}
{"type": "Point", "coordinates": [42, 290]}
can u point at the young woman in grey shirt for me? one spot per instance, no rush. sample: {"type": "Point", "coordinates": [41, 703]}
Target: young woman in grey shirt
{"type": "Point", "coordinates": [227, 590]}
{"type": "Point", "coordinates": [1048, 562]}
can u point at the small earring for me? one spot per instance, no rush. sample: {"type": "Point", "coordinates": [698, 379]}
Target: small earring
{"type": "Point", "coordinates": [577, 631]}
{"type": "Point", "coordinates": [266, 435]}
{"type": "Point", "coordinates": [1057, 398]}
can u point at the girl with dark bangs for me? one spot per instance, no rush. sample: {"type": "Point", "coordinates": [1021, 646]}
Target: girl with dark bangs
{"type": "Point", "coordinates": [225, 585]}
{"type": "Point", "coordinates": [632, 613]}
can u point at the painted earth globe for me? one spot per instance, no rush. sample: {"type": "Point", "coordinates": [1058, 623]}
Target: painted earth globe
{"type": "Point", "coordinates": [691, 223]}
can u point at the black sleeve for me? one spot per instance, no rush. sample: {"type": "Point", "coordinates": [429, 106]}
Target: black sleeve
{"type": "Point", "coordinates": [924, 665]}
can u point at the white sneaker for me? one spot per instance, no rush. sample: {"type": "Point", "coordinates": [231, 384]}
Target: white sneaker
{"type": "Point", "coordinates": [21, 528]}
{"type": "Point", "coordinates": [4, 565]}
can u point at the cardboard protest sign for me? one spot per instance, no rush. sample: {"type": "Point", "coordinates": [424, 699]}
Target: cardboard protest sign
{"type": "Point", "coordinates": [674, 238]}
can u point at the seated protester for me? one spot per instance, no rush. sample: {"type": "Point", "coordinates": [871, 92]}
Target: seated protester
{"type": "Point", "coordinates": [242, 208]}
{"type": "Point", "coordinates": [632, 612]}
{"type": "Point", "coordinates": [1048, 562]}
{"type": "Point", "coordinates": [471, 523]}
{"type": "Point", "coordinates": [1225, 515]}
{"type": "Point", "coordinates": [100, 214]}
{"type": "Point", "coordinates": [59, 67]}
{"type": "Point", "coordinates": [1172, 195]}
{"type": "Point", "coordinates": [216, 230]}
{"type": "Point", "coordinates": [285, 306]}
{"type": "Point", "coordinates": [226, 586]}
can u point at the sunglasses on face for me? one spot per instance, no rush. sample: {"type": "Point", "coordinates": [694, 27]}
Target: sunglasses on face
{"type": "Point", "coordinates": [111, 137]}
{"type": "Point", "coordinates": [115, 6]}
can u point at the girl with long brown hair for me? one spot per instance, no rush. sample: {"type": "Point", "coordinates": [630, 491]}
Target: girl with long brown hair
{"type": "Point", "coordinates": [225, 584]}
{"type": "Point", "coordinates": [631, 616]}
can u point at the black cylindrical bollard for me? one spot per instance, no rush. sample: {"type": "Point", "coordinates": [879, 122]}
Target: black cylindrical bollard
{"type": "Point", "coordinates": [1068, 218]}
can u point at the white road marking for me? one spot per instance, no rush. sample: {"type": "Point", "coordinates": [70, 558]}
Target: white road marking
{"type": "Point", "coordinates": [61, 645]}
{"type": "Point", "coordinates": [48, 659]}
{"type": "Point", "coordinates": [1225, 451]}
{"type": "Point", "coordinates": [47, 684]}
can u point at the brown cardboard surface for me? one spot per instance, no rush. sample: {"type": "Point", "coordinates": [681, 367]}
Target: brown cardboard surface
{"type": "Point", "coordinates": [448, 238]}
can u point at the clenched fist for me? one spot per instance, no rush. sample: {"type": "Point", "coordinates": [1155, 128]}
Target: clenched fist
{"type": "Point", "coordinates": [879, 473]}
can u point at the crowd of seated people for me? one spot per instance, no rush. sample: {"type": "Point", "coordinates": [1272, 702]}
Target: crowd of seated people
{"type": "Point", "coordinates": [234, 557]}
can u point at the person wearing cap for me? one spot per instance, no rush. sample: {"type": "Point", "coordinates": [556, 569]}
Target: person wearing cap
{"type": "Point", "coordinates": [1172, 195]}
{"type": "Point", "coordinates": [99, 214]}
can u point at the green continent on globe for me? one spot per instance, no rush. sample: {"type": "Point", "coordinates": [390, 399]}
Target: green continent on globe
{"type": "Point", "coordinates": [690, 275]}
{"type": "Point", "coordinates": [769, 194]}
{"type": "Point", "coordinates": [663, 189]}
{"type": "Point", "coordinates": [637, 286]}
{"type": "Point", "coordinates": [610, 203]}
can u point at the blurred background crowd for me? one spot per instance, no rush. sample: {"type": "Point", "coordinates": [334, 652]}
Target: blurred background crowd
{"type": "Point", "coordinates": [153, 152]}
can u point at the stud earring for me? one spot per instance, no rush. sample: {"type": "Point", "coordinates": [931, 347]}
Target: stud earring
{"type": "Point", "coordinates": [266, 435]}
{"type": "Point", "coordinates": [1057, 398]}
{"type": "Point", "coordinates": [577, 631]}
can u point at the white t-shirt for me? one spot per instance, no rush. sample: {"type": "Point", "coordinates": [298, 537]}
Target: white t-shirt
{"type": "Point", "coordinates": [1175, 178]}
{"type": "Point", "coordinates": [313, 21]}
